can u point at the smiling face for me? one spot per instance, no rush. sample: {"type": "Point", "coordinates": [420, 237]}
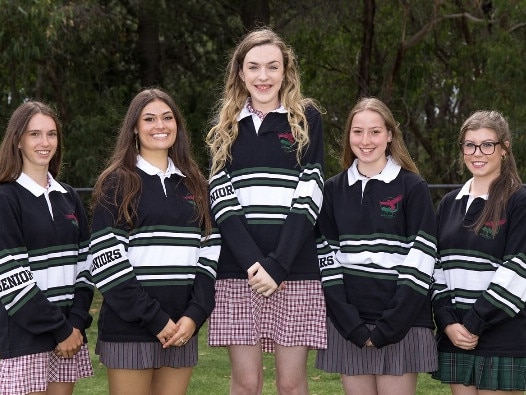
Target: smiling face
{"type": "Point", "coordinates": [157, 128]}
{"type": "Point", "coordinates": [368, 140]}
{"type": "Point", "coordinates": [263, 72]}
{"type": "Point", "coordinates": [38, 144]}
{"type": "Point", "coordinates": [479, 164]}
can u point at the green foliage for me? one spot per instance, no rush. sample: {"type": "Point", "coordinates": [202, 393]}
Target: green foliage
{"type": "Point", "coordinates": [432, 62]}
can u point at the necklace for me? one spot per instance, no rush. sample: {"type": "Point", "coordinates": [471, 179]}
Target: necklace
{"type": "Point", "coordinates": [360, 173]}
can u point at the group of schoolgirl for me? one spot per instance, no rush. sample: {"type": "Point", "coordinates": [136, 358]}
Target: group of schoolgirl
{"type": "Point", "coordinates": [264, 248]}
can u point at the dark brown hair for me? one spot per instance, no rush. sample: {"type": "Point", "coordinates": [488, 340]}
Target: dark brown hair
{"type": "Point", "coordinates": [121, 168]}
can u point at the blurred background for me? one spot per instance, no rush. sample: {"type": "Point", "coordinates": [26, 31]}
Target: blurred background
{"type": "Point", "coordinates": [433, 62]}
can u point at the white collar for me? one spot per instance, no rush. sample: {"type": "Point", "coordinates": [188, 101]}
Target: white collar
{"type": "Point", "coordinates": [245, 113]}
{"type": "Point", "coordinates": [388, 174]}
{"type": "Point", "coordinates": [151, 170]}
{"type": "Point", "coordinates": [464, 191]}
{"type": "Point", "coordinates": [36, 189]}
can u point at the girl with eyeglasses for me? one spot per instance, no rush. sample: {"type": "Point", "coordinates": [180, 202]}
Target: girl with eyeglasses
{"type": "Point", "coordinates": [480, 278]}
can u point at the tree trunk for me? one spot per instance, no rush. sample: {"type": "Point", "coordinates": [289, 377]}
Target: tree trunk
{"type": "Point", "coordinates": [149, 47]}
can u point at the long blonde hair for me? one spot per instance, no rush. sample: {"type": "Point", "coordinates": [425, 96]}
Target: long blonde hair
{"type": "Point", "coordinates": [223, 134]}
{"type": "Point", "coordinates": [396, 148]}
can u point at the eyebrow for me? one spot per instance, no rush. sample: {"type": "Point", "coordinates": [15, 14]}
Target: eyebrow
{"type": "Point", "coordinates": [272, 61]}
{"type": "Point", "coordinates": [164, 113]}
{"type": "Point", "coordinates": [40, 130]}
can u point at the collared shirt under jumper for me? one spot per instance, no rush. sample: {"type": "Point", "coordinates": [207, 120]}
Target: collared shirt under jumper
{"type": "Point", "coordinates": [45, 284]}
{"type": "Point", "coordinates": [163, 268]}
{"type": "Point", "coordinates": [480, 279]}
{"type": "Point", "coordinates": [266, 204]}
{"type": "Point", "coordinates": [377, 254]}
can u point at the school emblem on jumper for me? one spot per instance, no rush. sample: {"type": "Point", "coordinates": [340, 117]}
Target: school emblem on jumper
{"type": "Point", "coordinates": [487, 230]}
{"type": "Point", "coordinates": [189, 199]}
{"type": "Point", "coordinates": [389, 206]}
{"type": "Point", "coordinates": [287, 141]}
{"type": "Point", "coordinates": [73, 219]}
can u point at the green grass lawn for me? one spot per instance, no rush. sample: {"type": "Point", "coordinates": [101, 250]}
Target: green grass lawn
{"type": "Point", "coordinates": [211, 376]}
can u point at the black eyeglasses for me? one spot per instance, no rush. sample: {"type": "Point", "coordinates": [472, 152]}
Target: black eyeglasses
{"type": "Point", "coordinates": [487, 147]}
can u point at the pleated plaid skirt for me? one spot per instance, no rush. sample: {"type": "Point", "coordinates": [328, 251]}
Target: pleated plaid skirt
{"type": "Point", "coordinates": [31, 373]}
{"type": "Point", "coordinates": [415, 353]}
{"type": "Point", "coordinates": [485, 373]}
{"type": "Point", "coordinates": [292, 316]}
{"type": "Point", "coordinates": [146, 355]}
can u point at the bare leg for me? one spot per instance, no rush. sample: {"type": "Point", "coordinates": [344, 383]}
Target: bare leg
{"type": "Point", "coordinates": [247, 370]}
{"type": "Point", "coordinates": [396, 385]}
{"type": "Point", "coordinates": [359, 385]}
{"type": "Point", "coordinates": [170, 381]}
{"type": "Point", "coordinates": [60, 388]}
{"type": "Point", "coordinates": [291, 370]}
{"type": "Point", "coordinates": [129, 381]}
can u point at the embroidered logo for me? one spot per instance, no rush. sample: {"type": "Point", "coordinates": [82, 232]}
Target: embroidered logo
{"type": "Point", "coordinates": [189, 199]}
{"type": "Point", "coordinates": [287, 141]}
{"type": "Point", "coordinates": [487, 230]}
{"type": "Point", "coordinates": [73, 218]}
{"type": "Point", "coordinates": [389, 206]}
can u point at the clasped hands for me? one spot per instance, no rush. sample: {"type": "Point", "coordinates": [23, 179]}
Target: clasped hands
{"type": "Point", "coordinates": [71, 345]}
{"type": "Point", "coordinates": [261, 282]}
{"type": "Point", "coordinates": [461, 337]}
{"type": "Point", "coordinates": [177, 333]}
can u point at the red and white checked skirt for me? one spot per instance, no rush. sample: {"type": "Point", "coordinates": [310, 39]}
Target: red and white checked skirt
{"type": "Point", "coordinates": [292, 316]}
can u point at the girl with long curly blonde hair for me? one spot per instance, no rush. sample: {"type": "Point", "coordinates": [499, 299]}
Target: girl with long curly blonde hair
{"type": "Point", "coordinates": [266, 192]}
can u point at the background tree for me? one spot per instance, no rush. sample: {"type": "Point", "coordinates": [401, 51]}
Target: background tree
{"type": "Point", "coordinates": [433, 62]}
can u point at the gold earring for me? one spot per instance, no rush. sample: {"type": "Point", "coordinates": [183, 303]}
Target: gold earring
{"type": "Point", "coordinates": [136, 142]}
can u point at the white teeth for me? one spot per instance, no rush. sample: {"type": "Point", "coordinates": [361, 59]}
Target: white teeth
{"type": "Point", "coordinates": [160, 135]}
{"type": "Point", "coordinates": [43, 152]}
{"type": "Point", "coordinates": [367, 149]}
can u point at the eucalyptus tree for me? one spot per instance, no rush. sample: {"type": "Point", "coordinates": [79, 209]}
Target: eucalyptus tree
{"type": "Point", "coordinates": [432, 62]}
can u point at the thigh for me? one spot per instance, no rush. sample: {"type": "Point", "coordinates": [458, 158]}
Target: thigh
{"type": "Point", "coordinates": [170, 381]}
{"type": "Point", "coordinates": [246, 369]}
{"type": "Point", "coordinates": [363, 384]}
{"type": "Point", "coordinates": [461, 389]}
{"type": "Point", "coordinates": [396, 385]}
{"type": "Point", "coordinates": [245, 360]}
{"type": "Point", "coordinates": [291, 361]}
{"type": "Point", "coordinates": [291, 369]}
{"type": "Point", "coordinates": [55, 388]}
{"type": "Point", "coordinates": [129, 381]}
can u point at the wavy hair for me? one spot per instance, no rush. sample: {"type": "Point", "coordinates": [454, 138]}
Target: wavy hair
{"type": "Point", "coordinates": [225, 130]}
{"type": "Point", "coordinates": [508, 181]}
{"type": "Point", "coordinates": [121, 169]}
{"type": "Point", "coordinates": [396, 148]}
{"type": "Point", "coordinates": [11, 161]}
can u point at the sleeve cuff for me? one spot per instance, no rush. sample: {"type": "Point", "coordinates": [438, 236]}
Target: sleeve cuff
{"type": "Point", "coordinates": [197, 314]}
{"type": "Point", "coordinates": [359, 335]}
{"type": "Point", "coordinates": [158, 323]}
{"type": "Point", "coordinates": [474, 324]}
{"type": "Point", "coordinates": [63, 332]}
{"type": "Point", "coordinates": [274, 269]}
